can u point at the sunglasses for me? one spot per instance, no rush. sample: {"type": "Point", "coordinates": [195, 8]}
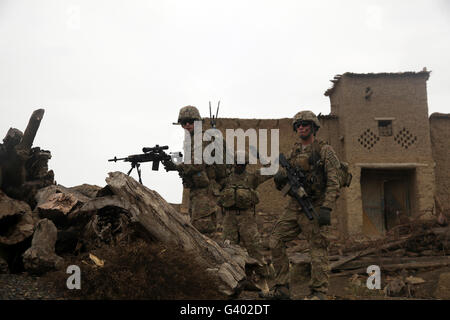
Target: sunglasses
{"type": "Point", "coordinates": [186, 121]}
{"type": "Point", "coordinates": [301, 123]}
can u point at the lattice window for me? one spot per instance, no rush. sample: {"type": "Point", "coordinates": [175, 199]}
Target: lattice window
{"type": "Point", "coordinates": [385, 128]}
{"type": "Point", "coordinates": [405, 138]}
{"type": "Point", "coordinates": [368, 139]}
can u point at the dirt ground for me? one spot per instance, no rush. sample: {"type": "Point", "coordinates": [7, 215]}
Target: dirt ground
{"type": "Point", "coordinates": [349, 287]}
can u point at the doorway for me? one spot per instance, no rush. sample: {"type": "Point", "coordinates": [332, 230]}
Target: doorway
{"type": "Point", "coordinates": [386, 198]}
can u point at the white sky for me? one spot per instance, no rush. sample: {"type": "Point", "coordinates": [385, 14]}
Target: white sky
{"type": "Point", "coordinates": [112, 75]}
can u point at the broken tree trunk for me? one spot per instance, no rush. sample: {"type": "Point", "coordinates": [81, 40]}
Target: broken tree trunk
{"type": "Point", "coordinates": [168, 226]}
{"type": "Point", "coordinates": [41, 257]}
{"type": "Point", "coordinates": [16, 221]}
{"type": "Point", "coordinates": [31, 130]}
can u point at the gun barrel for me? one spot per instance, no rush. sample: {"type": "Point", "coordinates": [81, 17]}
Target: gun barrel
{"type": "Point", "coordinates": [115, 159]}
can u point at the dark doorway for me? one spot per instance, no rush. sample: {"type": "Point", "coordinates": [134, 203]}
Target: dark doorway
{"type": "Point", "coordinates": [385, 198]}
{"type": "Point", "coordinates": [396, 202]}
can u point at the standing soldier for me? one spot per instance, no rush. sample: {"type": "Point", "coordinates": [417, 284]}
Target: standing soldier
{"type": "Point", "coordinates": [200, 179]}
{"type": "Point", "coordinates": [239, 198]}
{"type": "Point", "coordinates": [320, 165]}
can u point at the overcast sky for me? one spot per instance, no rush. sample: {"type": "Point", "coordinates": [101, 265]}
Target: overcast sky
{"type": "Point", "coordinates": [112, 75]}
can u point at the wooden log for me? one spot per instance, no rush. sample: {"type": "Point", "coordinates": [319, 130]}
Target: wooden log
{"type": "Point", "coordinates": [340, 262]}
{"type": "Point", "coordinates": [16, 221]}
{"type": "Point", "coordinates": [168, 226]}
{"type": "Point", "coordinates": [440, 232]}
{"type": "Point", "coordinates": [364, 262]}
{"type": "Point", "coordinates": [56, 203]}
{"type": "Point", "coordinates": [437, 262]}
{"type": "Point", "coordinates": [31, 130]}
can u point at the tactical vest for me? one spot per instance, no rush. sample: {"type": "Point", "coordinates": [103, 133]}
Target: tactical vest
{"type": "Point", "coordinates": [312, 166]}
{"type": "Point", "coordinates": [238, 192]}
{"type": "Point", "coordinates": [314, 169]}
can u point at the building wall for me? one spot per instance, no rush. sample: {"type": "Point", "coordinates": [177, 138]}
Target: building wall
{"type": "Point", "coordinates": [403, 99]}
{"type": "Point", "coordinates": [360, 101]}
{"type": "Point", "coordinates": [440, 141]}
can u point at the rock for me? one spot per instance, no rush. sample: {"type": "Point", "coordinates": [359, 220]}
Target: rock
{"type": "Point", "coordinates": [41, 257]}
{"type": "Point", "coordinates": [16, 221]}
{"type": "Point", "coordinates": [443, 287]}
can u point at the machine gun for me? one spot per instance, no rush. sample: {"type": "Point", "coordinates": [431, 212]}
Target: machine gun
{"type": "Point", "coordinates": [294, 187]}
{"type": "Point", "coordinates": [155, 155]}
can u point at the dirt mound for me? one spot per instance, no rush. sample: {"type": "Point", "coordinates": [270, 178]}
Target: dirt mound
{"type": "Point", "coordinates": [138, 271]}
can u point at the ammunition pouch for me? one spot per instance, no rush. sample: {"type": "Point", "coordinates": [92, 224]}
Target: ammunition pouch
{"type": "Point", "coordinates": [239, 197]}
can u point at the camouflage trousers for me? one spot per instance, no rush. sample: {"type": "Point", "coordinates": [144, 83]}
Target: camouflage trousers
{"type": "Point", "coordinates": [287, 228]}
{"type": "Point", "coordinates": [203, 210]}
{"type": "Point", "coordinates": [240, 226]}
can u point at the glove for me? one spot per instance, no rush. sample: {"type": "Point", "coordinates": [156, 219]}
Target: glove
{"type": "Point", "coordinates": [280, 179]}
{"type": "Point", "coordinates": [324, 216]}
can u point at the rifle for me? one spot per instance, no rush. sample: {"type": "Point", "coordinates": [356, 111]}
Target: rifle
{"type": "Point", "coordinates": [294, 187]}
{"type": "Point", "coordinates": [154, 154]}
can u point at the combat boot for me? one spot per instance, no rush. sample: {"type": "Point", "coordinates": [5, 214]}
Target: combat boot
{"type": "Point", "coordinates": [279, 292]}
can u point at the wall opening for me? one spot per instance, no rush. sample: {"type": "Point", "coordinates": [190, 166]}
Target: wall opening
{"type": "Point", "coordinates": [385, 128]}
{"type": "Point", "coordinates": [387, 198]}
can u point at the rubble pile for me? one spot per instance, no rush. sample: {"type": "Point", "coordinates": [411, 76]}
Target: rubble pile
{"type": "Point", "coordinates": [410, 249]}
{"type": "Point", "coordinates": [44, 226]}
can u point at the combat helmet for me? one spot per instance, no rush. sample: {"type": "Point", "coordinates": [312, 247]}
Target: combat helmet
{"type": "Point", "coordinates": [189, 112]}
{"type": "Point", "coordinates": [306, 116]}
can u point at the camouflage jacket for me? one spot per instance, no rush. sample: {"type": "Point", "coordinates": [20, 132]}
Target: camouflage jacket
{"type": "Point", "coordinates": [202, 175]}
{"type": "Point", "coordinates": [239, 189]}
{"type": "Point", "coordinates": [320, 164]}
{"type": "Point", "coordinates": [246, 179]}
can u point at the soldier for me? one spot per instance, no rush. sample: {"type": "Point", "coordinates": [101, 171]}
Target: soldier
{"type": "Point", "coordinates": [320, 164]}
{"type": "Point", "coordinates": [239, 198]}
{"type": "Point", "coordinates": [201, 179]}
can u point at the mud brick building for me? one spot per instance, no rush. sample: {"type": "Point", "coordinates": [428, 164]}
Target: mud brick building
{"type": "Point", "coordinates": [398, 155]}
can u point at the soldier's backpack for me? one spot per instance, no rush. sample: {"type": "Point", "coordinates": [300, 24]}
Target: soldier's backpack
{"type": "Point", "coordinates": [344, 175]}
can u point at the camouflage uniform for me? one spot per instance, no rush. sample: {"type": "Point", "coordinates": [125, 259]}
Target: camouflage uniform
{"type": "Point", "coordinates": [202, 182]}
{"type": "Point", "coordinates": [239, 222]}
{"type": "Point", "coordinates": [323, 191]}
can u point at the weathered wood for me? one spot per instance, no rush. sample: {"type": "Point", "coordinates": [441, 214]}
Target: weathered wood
{"type": "Point", "coordinates": [31, 130]}
{"type": "Point", "coordinates": [57, 203]}
{"type": "Point", "coordinates": [168, 226]}
{"type": "Point", "coordinates": [441, 233]}
{"type": "Point", "coordinates": [44, 194]}
{"type": "Point", "coordinates": [82, 215]}
{"type": "Point", "coordinates": [436, 262]}
{"type": "Point", "coordinates": [16, 221]}
{"type": "Point", "coordinates": [41, 257]}
{"type": "Point", "coordinates": [344, 260]}
{"type": "Point", "coordinates": [381, 261]}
